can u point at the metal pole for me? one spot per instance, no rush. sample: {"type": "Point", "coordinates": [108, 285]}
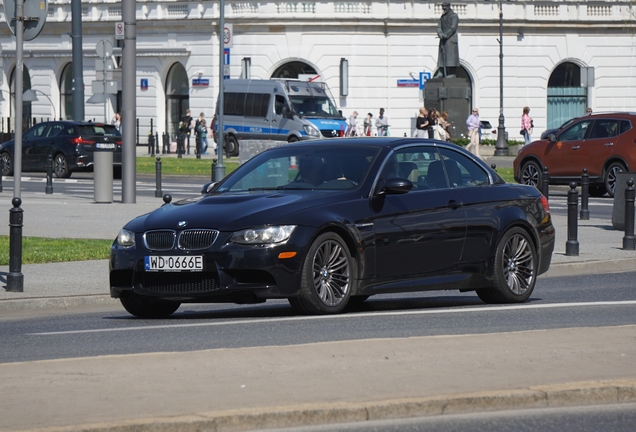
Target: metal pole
{"type": "Point", "coordinates": [129, 111]}
{"type": "Point", "coordinates": [501, 148]}
{"type": "Point", "coordinates": [629, 241]}
{"type": "Point", "coordinates": [78, 66]}
{"type": "Point", "coordinates": [585, 193]}
{"type": "Point", "coordinates": [572, 245]}
{"type": "Point", "coordinates": [219, 169]}
{"type": "Point", "coordinates": [19, 80]}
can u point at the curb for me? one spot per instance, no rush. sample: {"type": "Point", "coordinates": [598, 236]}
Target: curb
{"type": "Point", "coordinates": [590, 267]}
{"type": "Point", "coordinates": [548, 396]}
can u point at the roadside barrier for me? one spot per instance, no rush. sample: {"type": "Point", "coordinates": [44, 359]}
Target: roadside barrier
{"type": "Point", "coordinates": [572, 245]}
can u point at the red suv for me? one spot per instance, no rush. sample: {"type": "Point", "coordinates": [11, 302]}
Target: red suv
{"type": "Point", "coordinates": [603, 143]}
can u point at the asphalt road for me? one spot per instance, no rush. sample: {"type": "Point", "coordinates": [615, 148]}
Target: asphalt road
{"type": "Point", "coordinates": [565, 302]}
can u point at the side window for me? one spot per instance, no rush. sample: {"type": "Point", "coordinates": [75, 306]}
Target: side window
{"type": "Point", "coordinates": [575, 132]}
{"type": "Point", "coordinates": [421, 165]}
{"type": "Point", "coordinates": [55, 130]}
{"type": "Point", "coordinates": [604, 128]}
{"type": "Point", "coordinates": [233, 104]}
{"type": "Point", "coordinates": [625, 126]}
{"type": "Point", "coordinates": [279, 104]}
{"type": "Point", "coordinates": [36, 131]}
{"type": "Point", "coordinates": [256, 105]}
{"type": "Point", "coordinates": [462, 171]}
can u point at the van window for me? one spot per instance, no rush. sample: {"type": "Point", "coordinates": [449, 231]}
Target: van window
{"type": "Point", "coordinates": [233, 104]}
{"type": "Point", "coordinates": [256, 105]}
{"type": "Point", "coordinates": [279, 104]}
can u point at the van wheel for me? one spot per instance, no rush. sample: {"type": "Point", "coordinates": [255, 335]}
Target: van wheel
{"type": "Point", "coordinates": [231, 146]}
{"type": "Point", "coordinates": [292, 139]}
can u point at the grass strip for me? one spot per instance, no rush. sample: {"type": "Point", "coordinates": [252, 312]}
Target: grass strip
{"type": "Point", "coordinates": [181, 166]}
{"type": "Point", "coordinates": [37, 250]}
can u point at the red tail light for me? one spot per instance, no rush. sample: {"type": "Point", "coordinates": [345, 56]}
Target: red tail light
{"type": "Point", "coordinates": [546, 205]}
{"type": "Point", "coordinates": [80, 141]}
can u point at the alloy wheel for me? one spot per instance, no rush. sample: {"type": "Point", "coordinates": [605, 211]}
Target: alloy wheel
{"type": "Point", "coordinates": [518, 264]}
{"type": "Point", "coordinates": [331, 273]}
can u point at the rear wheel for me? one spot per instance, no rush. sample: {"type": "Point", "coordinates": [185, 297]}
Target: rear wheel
{"type": "Point", "coordinates": [231, 146]}
{"type": "Point", "coordinates": [531, 174]}
{"type": "Point", "coordinates": [143, 307]}
{"type": "Point", "coordinates": [292, 139]}
{"type": "Point", "coordinates": [7, 164]}
{"type": "Point", "coordinates": [327, 277]}
{"type": "Point", "coordinates": [611, 174]}
{"type": "Point", "coordinates": [515, 269]}
{"type": "Point", "coordinates": [60, 166]}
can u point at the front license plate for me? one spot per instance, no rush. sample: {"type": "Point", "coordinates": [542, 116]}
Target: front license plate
{"type": "Point", "coordinates": [174, 263]}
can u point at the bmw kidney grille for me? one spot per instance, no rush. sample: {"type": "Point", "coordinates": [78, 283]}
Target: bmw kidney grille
{"type": "Point", "coordinates": [192, 239]}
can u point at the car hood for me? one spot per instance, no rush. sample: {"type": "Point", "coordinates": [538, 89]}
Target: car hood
{"type": "Point", "coordinates": [233, 211]}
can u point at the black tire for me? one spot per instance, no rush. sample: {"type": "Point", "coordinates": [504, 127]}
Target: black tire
{"type": "Point", "coordinates": [7, 164]}
{"type": "Point", "coordinates": [143, 307]}
{"type": "Point", "coordinates": [531, 174]}
{"type": "Point", "coordinates": [515, 269]}
{"type": "Point", "coordinates": [60, 166]}
{"type": "Point", "coordinates": [292, 139]}
{"type": "Point", "coordinates": [597, 191]}
{"type": "Point", "coordinates": [231, 146]}
{"type": "Point", "coordinates": [610, 176]}
{"type": "Point", "coordinates": [328, 277]}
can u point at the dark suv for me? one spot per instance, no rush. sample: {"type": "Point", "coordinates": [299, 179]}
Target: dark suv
{"type": "Point", "coordinates": [603, 143]}
{"type": "Point", "coordinates": [71, 144]}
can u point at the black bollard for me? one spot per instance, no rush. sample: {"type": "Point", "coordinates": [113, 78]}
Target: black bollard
{"type": "Point", "coordinates": [214, 162]}
{"type": "Point", "coordinates": [545, 183]}
{"type": "Point", "coordinates": [165, 148]}
{"type": "Point", "coordinates": [629, 242]}
{"type": "Point", "coordinates": [15, 278]}
{"type": "Point", "coordinates": [0, 181]}
{"type": "Point", "coordinates": [158, 192]}
{"type": "Point", "coordinates": [494, 166]}
{"type": "Point", "coordinates": [585, 194]}
{"type": "Point", "coordinates": [49, 175]}
{"type": "Point", "coordinates": [180, 145]}
{"type": "Point", "coordinates": [572, 245]}
{"type": "Point", "coordinates": [157, 141]}
{"type": "Point", "coordinates": [151, 144]}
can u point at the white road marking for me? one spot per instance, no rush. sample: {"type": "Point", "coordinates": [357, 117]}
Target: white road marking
{"type": "Point", "coordinates": [349, 316]}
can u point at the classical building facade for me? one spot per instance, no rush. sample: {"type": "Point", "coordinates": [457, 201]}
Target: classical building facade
{"type": "Point", "coordinates": [558, 56]}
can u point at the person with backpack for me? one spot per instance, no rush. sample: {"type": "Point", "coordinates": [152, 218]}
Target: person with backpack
{"type": "Point", "coordinates": [184, 132]}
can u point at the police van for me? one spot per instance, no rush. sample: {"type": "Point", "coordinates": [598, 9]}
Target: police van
{"type": "Point", "coordinates": [283, 110]}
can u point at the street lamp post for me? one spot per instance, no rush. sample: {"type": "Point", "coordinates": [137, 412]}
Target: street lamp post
{"type": "Point", "coordinates": [501, 148]}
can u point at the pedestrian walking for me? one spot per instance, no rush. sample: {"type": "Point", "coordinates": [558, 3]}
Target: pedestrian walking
{"type": "Point", "coordinates": [445, 124]}
{"type": "Point", "coordinates": [421, 124]}
{"type": "Point", "coordinates": [352, 128]}
{"type": "Point", "coordinates": [117, 121]}
{"type": "Point", "coordinates": [368, 124]}
{"type": "Point", "coordinates": [472, 123]}
{"type": "Point", "coordinates": [526, 125]}
{"type": "Point", "coordinates": [382, 124]}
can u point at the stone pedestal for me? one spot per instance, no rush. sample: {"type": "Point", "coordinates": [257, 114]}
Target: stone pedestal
{"type": "Point", "coordinates": [452, 95]}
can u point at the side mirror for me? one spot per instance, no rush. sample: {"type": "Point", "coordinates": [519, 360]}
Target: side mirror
{"type": "Point", "coordinates": [552, 137]}
{"type": "Point", "coordinates": [396, 186]}
{"type": "Point", "coordinates": [207, 187]}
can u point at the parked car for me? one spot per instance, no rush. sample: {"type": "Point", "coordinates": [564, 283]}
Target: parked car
{"type": "Point", "coordinates": [328, 223]}
{"type": "Point", "coordinates": [488, 132]}
{"type": "Point", "coordinates": [71, 145]}
{"type": "Point", "coordinates": [604, 144]}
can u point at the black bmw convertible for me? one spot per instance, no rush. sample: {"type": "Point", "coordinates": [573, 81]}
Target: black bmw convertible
{"type": "Point", "coordinates": [326, 224]}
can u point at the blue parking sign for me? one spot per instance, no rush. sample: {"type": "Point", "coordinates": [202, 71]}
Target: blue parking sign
{"type": "Point", "coordinates": [423, 77]}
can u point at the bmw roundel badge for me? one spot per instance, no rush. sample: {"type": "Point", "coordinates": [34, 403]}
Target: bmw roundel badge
{"type": "Point", "coordinates": [182, 224]}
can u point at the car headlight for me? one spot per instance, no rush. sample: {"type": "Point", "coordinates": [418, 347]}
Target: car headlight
{"type": "Point", "coordinates": [311, 130]}
{"type": "Point", "coordinates": [266, 235]}
{"type": "Point", "coordinates": [126, 238]}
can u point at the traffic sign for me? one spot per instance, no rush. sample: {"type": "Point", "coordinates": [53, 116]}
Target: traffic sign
{"type": "Point", "coordinates": [109, 87]}
{"type": "Point", "coordinates": [228, 35]}
{"type": "Point", "coordinates": [119, 30]}
{"type": "Point", "coordinates": [226, 56]}
{"type": "Point", "coordinates": [104, 48]}
{"type": "Point", "coordinates": [35, 12]}
{"type": "Point", "coordinates": [106, 65]}
{"type": "Point", "coordinates": [423, 77]}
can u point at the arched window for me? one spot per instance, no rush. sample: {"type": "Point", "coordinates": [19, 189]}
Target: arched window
{"type": "Point", "coordinates": [66, 92]}
{"type": "Point", "coordinates": [177, 97]}
{"type": "Point", "coordinates": [292, 69]}
{"type": "Point", "coordinates": [566, 97]}
{"type": "Point", "coordinates": [26, 106]}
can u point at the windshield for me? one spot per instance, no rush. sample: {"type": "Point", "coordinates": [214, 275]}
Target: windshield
{"type": "Point", "coordinates": [321, 167]}
{"type": "Point", "coordinates": [314, 106]}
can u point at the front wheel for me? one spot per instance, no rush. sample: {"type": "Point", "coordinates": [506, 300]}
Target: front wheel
{"type": "Point", "coordinates": [142, 307]}
{"type": "Point", "coordinates": [515, 269]}
{"type": "Point", "coordinates": [328, 276]}
{"type": "Point", "coordinates": [531, 174]}
{"type": "Point", "coordinates": [611, 174]}
{"type": "Point", "coordinates": [7, 164]}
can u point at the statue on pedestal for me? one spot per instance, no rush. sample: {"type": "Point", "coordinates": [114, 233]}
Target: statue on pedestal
{"type": "Point", "coordinates": [448, 56]}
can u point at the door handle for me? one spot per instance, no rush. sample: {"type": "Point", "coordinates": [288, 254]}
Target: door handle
{"type": "Point", "coordinates": [609, 144]}
{"type": "Point", "coordinates": [274, 121]}
{"type": "Point", "coordinates": [576, 147]}
{"type": "Point", "coordinates": [454, 204]}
